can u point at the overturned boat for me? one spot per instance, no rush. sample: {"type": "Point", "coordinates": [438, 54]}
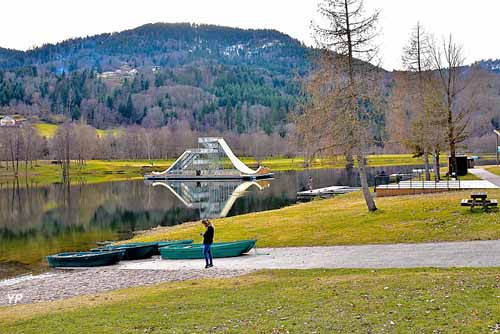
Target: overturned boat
{"type": "Point", "coordinates": [131, 251]}
{"type": "Point", "coordinates": [212, 160]}
{"type": "Point", "coordinates": [85, 259]}
{"type": "Point", "coordinates": [156, 244]}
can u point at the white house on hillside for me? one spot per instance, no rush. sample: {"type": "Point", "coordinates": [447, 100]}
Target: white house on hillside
{"type": "Point", "coordinates": [7, 121]}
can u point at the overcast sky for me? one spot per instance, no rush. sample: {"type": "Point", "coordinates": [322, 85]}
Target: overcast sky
{"type": "Point", "coordinates": [25, 23]}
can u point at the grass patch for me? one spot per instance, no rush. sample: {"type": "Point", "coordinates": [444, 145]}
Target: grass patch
{"type": "Point", "coordinates": [380, 160]}
{"type": "Point", "coordinates": [44, 172]}
{"type": "Point", "coordinates": [444, 177]}
{"type": "Point", "coordinates": [94, 171]}
{"type": "Point", "coordinates": [281, 301]}
{"type": "Point", "coordinates": [493, 169]}
{"type": "Point", "coordinates": [344, 220]}
{"type": "Point", "coordinates": [46, 130]}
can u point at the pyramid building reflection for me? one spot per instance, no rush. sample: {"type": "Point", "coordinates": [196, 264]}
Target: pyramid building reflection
{"type": "Point", "coordinates": [212, 199]}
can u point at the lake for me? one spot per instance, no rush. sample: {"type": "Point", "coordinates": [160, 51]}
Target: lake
{"type": "Point", "coordinates": [38, 221]}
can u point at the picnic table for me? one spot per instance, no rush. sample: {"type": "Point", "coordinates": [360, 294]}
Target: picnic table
{"type": "Point", "coordinates": [479, 199]}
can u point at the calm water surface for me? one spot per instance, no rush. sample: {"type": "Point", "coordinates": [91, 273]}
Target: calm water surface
{"type": "Point", "coordinates": [38, 221]}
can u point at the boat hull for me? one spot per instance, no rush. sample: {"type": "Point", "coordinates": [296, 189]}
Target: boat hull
{"type": "Point", "coordinates": [132, 252]}
{"type": "Point", "coordinates": [158, 244]}
{"type": "Point", "coordinates": [219, 250]}
{"type": "Point", "coordinates": [85, 259]}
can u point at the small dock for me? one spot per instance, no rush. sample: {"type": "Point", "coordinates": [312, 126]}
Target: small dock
{"type": "Point", "coordinates": [326, 192]}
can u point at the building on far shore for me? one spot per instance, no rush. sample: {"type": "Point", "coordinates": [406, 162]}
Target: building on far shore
{"type": "Point", "coordinates": [7, 121]}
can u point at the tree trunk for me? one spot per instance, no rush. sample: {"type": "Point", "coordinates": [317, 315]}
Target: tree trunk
{"type": "Point", "coordinates": [437, 175]}
{"type": "Point", "coordinates": [451, 136]}
{"type": "Point", "coordinates": [453, 158]}
{"type": "Point", "coordinates": [349, 160]}
{"type": "Point", "coordinates": [370, 203]}
{"type": "Point", "coordinates": [426, 164]}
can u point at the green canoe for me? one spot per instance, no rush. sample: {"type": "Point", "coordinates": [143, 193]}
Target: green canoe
{"type": "Point", "coordinates": [195, 251]}
{"type": "Point", "coordinates": [85, 259]}
{"type": "Point", "coordinates": [132, 252]}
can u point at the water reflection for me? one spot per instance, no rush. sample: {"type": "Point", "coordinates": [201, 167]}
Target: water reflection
{"type": "Point", "coordinates": [39, 220]}
{"type": "Point", "coordinates": [212, 199]}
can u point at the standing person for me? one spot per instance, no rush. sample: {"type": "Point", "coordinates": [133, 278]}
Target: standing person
{"type": "Point", "coordinates": [310, 183]}
{"type": "Point", "coordinates": [208, 239]}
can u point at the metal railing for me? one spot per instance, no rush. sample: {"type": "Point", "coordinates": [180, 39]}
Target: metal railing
{"type": "Point", "coordinates": [416, 179]}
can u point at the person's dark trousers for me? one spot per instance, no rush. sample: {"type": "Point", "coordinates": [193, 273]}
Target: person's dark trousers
{"type": "Point", "coordinates": [207, 253]}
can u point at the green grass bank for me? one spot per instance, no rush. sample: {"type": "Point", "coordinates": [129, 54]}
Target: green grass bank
{"type": "Point", "coordinates": [45, 172]}
{"type": "Point", "coordinates": [344, 220]}
{"type": "Point", "coordinates": [306, 301]}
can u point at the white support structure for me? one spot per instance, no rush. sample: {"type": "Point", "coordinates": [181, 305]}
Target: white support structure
{"type": "Point", "coordinates": [208, 161]}
{"type": "Point", "coordinates": [213, 199]}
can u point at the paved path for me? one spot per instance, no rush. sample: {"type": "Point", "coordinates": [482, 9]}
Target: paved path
{"type": "Point", "coordinates": [61, 284]}
{"type": "Point", "coordinates": [485, 175]}
{"type": "Point", "coordinates": [447, 254]}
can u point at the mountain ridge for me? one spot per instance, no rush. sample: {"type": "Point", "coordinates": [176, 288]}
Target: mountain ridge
{"type": "Point", "coordinates": [160, 74]}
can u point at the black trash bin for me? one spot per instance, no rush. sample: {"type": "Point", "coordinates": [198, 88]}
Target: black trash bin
{"type": "Point", "coordinates": [462, 165]}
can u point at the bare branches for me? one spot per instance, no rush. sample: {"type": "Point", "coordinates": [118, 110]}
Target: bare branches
{"type": "Point", "coordinates": [448, 60]}
{"type": "Point", "coordinates": [348, 31]}
{"type": "Point", "coordinates": [417, 53]}
{"type": "Point", "coordinates": [343, 88]}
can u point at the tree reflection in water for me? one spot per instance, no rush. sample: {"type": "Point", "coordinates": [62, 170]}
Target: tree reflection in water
{"type": "Point", "coordinates": [39, 220]}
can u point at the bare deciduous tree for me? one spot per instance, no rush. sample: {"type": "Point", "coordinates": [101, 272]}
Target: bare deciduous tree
{"type": "Point", "coordinates": [417, 60]}
{"type": "Point", "coordinates": [344, 91]}
{"type": "Point", "coordinates": [448, 60]}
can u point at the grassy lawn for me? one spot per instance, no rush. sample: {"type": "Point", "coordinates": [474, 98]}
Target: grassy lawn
{"type": "Point", "coordinates": [117, 170]}
{"type": "Point", "coordinates": [345, 220]}
{"type": "Point", "coordinates": [307, 301]}
{"type": "Point", "coordinates": [282, 164]}
{"type": "Point", "coordinates": [468, 177]}
{"type": "Point", "coordinates": [48, 130]}
{"type": "Point", "coordinates": [493, 169]}
{"type": "Point", "coordinates": [43, 172]}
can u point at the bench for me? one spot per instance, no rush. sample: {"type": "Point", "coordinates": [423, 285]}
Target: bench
{"type": "Point", "coordinates": [486, 204]}
{"type": "Point", "coordinates": [466, 202]}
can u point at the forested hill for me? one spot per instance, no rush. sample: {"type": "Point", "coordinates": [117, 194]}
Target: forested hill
{"type": "Point", "coordinates": [490, 65]}
{"type": "Point", "coordinates": [11, 58]}
{"type": "Point", "coordinates": [203, 76]}
{"type": "Point", "coordinates": [167, 44]}
{"type": "Point", "coordinates": [210, 76]}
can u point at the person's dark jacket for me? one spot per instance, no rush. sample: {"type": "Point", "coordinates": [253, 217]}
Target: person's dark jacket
{"type": "Point", "coordinates": [208, 236]}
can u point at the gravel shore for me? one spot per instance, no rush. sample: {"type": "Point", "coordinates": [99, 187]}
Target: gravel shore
{"type": "Point", "coordinates": [61, 284]}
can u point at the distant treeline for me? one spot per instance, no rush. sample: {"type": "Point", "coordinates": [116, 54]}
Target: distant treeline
{"type": "Point", "coordinates": [22, 146]}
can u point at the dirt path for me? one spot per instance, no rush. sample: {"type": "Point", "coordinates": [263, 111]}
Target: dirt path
{"type": "Point", "coordinates": [61, 284]}
{"type": "Point", "coordinates": [443, 254]}
{"type": "Point", "coordinates": [485, 175]}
